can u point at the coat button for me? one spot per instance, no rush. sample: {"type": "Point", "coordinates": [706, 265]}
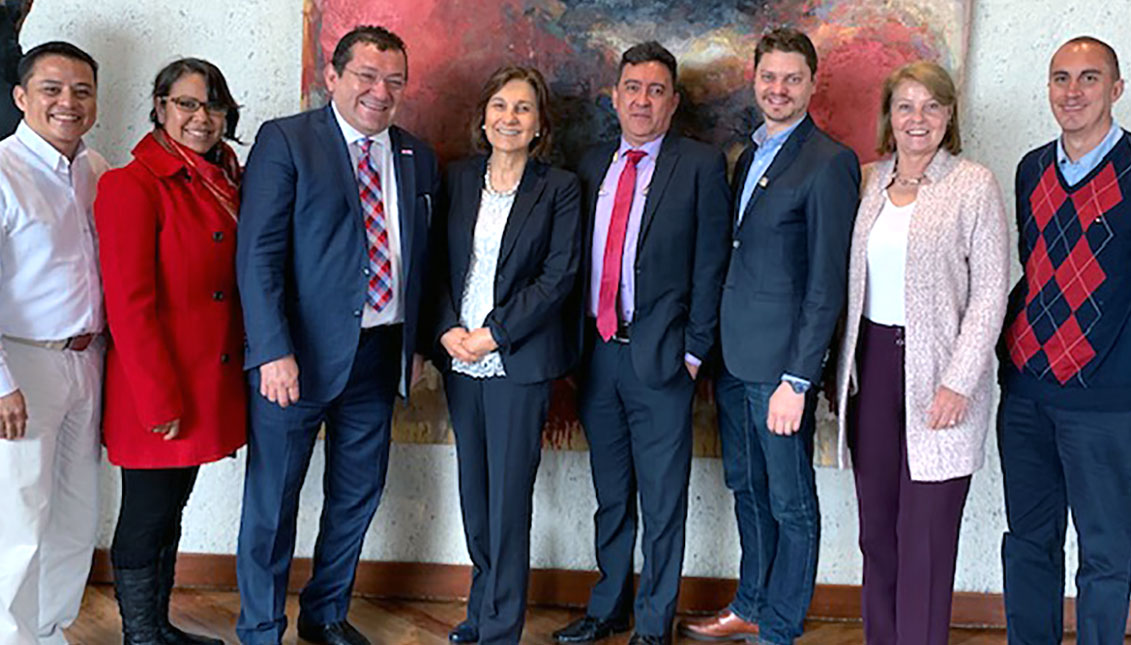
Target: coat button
{"type": "Point", "coordinates": [736, 244]}
{"type": "Point", "coordinates": [218, 236]}
{"type": "Point", "coordinates": [366, 271]}
{"type": "Point", "coordinates": [357, 313]}
{"type": "Point", "coordinates": [224, 358]}
{"type": "Point", "coordinates": [217, 295]}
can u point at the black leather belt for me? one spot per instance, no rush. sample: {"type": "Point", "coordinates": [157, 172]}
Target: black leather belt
{"type": "Point", "coordinates": [623, 334]}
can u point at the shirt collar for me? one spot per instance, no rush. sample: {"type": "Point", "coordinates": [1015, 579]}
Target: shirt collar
{"type": "Point", "coordinates": [44, 150]}
{"type": "Point", "coordinates": [1093, 155]}
{"type": "Point", "coordinates": [651, 149]}
{"type": "Point", "coordinates": [762, 138]}
{"type": "Point", "coordinates": [352, 134]}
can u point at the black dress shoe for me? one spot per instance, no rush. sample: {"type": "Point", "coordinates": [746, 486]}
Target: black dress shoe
{"type": "Point", "coordinates": [339, 633]}
{"type": "Point", "coordinates": [464, 632]}
{"type": "Point", "coordinates": [589, 629]}
{"type": "Point", "coordinates": [648, 639]}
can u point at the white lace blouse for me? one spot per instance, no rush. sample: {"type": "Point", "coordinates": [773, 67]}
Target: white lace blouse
{"type": "Point", "coordinates": [479, 290]}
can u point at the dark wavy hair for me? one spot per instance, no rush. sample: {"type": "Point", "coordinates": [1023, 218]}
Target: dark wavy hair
{"type": "Point", "coordinates": [540, 146]}
{"type": "Point", "coordinates": [218, 91]}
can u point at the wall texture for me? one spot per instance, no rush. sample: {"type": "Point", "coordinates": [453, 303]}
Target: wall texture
{"type": "Point", "coordinates": [258, 45]}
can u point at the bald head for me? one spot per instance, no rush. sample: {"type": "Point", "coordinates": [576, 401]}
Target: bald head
{"type": "Point", "coordinates": [1082, 44]}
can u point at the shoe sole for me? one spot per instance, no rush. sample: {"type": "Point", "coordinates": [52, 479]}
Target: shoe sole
{"type": "Point", "coordinates": [613, 632]}
{"type": "Point", "coordinates": [703, 638]}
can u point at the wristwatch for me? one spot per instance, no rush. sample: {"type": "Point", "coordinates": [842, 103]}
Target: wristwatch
{"type": "Point", "coordinates": [799, 387]}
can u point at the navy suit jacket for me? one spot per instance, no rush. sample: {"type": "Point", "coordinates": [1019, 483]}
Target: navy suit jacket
{"type": "Point", "coordinates": [536, 272]}
{"type": "Point", "coordinates": [681, 255]}
{"type": "Point", "coordinates": [302, 250]}
{"type": "Point", "coordinates": [787, 281]}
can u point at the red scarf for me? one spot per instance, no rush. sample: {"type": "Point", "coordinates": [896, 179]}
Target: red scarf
{"type": "Point", "coordinates": [222, 179]}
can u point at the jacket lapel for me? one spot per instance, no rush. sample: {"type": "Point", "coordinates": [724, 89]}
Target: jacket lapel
{"type": "Point", "coordinates": [661, 176]}
{"type": "Point", "coordinates": [405, 169]}
{"type": "Point", "coordinates": [872, 202]}
{"type": "Point", "coordinates": [781, 163]}
{"type": "Point", "coordinates": [738, 181]}
{"type": "Point", "coordinates": [529, 190]}
{"type": "Point", "coordinates": [597, 179]}
{"type": "Point", "coordinates": [464, 211]}
{"type": "Point", "coordinates": [327, 130]}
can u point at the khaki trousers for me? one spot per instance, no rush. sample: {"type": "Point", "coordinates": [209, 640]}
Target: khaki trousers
{"type": "Point", "coordinates": [49, 492]}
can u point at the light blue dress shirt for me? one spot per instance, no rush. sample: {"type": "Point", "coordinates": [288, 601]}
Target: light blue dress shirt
{"type": "Point", "coordinates": [764, 155]}
{"type": "Point", "coordinates": [1074, 171]}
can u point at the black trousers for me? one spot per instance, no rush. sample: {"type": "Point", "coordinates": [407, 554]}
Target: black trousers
{"type": "Point", "coordinates": [150, 515]}
{"type": "Point", "coordinates": [498, 430]}
{"type": "Point", "coordinates": [639, 446]}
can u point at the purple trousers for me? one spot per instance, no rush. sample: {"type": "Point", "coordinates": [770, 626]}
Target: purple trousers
{"type": "Point", "coordinates": [908, 529]}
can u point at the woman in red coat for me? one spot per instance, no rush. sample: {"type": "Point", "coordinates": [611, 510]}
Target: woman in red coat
{"type": "Point", "coordinates": [174, 388]}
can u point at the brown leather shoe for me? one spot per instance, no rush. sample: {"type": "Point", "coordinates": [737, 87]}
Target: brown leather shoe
{"type": "Point", "coordinates": [723, 626]}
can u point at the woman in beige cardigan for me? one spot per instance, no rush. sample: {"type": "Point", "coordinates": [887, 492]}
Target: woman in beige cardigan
{"type": "Point", "coordinates": [928, 278]}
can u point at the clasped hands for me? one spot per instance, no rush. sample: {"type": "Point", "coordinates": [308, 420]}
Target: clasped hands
{"type": "Point", "coordinates": [468, 346]}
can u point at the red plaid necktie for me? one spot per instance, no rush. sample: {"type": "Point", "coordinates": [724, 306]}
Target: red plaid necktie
{"type": "Point", "coordinates": [373, 208]}
{"type": "Point", "coordinates": [614, 246]}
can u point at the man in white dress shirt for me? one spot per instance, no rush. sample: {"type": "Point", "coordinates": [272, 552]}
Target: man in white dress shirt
{"type": "Point", "coordinates": [50, 349]}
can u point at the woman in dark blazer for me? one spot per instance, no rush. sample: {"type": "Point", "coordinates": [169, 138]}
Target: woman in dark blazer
{"type": "Point", "coordinates": [174, 389]}
{"type": "Point", "coordinates": [511, 251]}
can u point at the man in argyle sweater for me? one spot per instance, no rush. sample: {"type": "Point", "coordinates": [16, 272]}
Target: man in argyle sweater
{"type": "Point", "coordinates": [1064, 428]}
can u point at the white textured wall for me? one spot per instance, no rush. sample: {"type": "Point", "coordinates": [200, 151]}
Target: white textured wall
{"type": "Point", "coordinates": [258, 45]}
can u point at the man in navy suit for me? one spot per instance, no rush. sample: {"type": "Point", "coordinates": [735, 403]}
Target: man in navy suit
{"type": "Point", "coordinates": [331, 263]}
{"type": "Point", "coordinates": [795, 194]}
{"type": "Point", "coordinates": [656, 221]}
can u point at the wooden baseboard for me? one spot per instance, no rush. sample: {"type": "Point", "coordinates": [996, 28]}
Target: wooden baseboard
{"type": "Point", "coordinates": [553, 587]}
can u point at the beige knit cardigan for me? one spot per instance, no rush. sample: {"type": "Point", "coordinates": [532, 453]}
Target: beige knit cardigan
{"type": "Point", "coordinates": [956, 285]}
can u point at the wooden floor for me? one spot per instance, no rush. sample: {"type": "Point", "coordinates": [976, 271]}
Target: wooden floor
{"type": "Point", "coordinates": [408, 623]}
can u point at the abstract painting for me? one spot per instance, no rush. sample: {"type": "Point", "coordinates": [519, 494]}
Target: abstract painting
{"type": "Point", "coordinates": [454, 45]}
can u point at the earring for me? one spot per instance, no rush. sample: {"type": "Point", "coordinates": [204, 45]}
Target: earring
{"type": "Point", "coordinates": [483, 127]}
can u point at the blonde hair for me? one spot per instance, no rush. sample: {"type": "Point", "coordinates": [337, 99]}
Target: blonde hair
{"type": "Point", "coordinates": [938, 82]}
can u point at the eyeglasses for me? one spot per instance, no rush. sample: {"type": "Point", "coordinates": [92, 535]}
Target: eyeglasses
{"type": "Point", "coordinates": [189, 105]}
{"type": "Point", "coordinates": [369, 79]}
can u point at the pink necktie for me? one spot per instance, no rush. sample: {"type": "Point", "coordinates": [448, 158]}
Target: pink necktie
{"type": "Point", "coordinates": [614, 246]}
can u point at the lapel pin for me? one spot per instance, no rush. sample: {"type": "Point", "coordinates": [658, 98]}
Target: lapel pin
{"type": "Point", "coordinates": [763, 182]}
{"type": "Point", "coordinates": [407, 151]}
{"type": "Point", "coordinates": [644, 191]}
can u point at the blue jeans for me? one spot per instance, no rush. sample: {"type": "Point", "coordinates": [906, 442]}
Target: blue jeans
{"type": "Point", "coordinates": [775, 503]}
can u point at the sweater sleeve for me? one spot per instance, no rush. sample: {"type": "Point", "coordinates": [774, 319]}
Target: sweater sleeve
{"type": "Point", "coordinates": [988, 259]}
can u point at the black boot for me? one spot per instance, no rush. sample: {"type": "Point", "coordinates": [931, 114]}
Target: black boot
{"type": "Point", "coordinates": [136, 591]}
{"type": "Point", "coordinates": [170, 635]}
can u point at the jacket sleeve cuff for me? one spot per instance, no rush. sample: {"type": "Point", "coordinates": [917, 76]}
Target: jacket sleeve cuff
{"type": "Point", "coordinates": [497, 332]}
{"type": "Point", "coordinates": [692, 359]}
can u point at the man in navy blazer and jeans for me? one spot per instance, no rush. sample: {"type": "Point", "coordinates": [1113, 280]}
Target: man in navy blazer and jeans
{"type": "Point", "coordinates": [655, 208]}
{"type": "Point", "coordinates": [795, 194]}
{"type": "Point", "coordinates": [331, 264]}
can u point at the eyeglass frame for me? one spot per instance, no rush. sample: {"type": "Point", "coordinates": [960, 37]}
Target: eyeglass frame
{"type": "Point", "coordinates": [212, 108]}
{"type": "Point", "coordinates": [368, 80]}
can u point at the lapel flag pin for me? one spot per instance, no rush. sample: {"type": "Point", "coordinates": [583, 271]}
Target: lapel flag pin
{"type": "Point", "coordinates": [763, 182]}
{"type": "Point", "coordinates": [407, 151]}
